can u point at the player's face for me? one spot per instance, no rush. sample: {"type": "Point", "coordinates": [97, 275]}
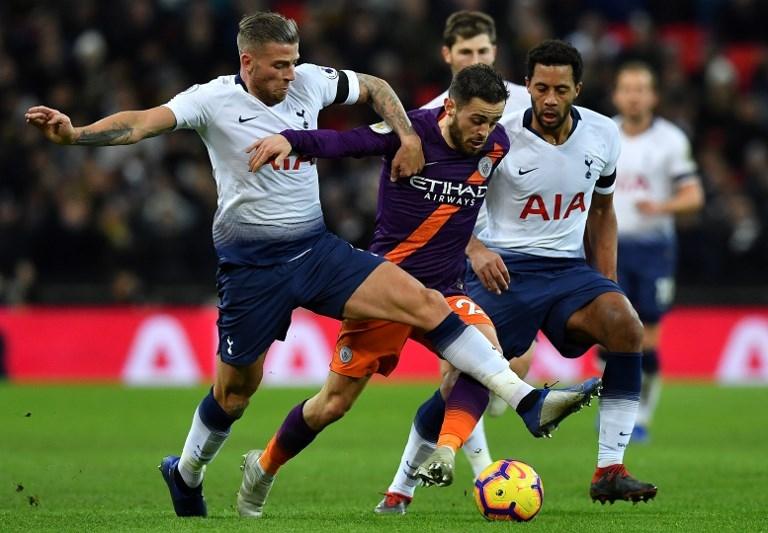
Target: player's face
{"type": "Point", "coordinates": [552, 91]}
{"type": "Point", "coordinates": [269, 69]}
{"type": "Point", "coordinates": [470, 125]}
{"type": "Point", "coordinates": [466, 52]}
{"type": "Point", "coordinates": [634, 95]}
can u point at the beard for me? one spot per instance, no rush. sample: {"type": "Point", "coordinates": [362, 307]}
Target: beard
{"type": "Point", "coordinates": [454, 132]}
{"type": "Point", "coordinates": [548, 126]}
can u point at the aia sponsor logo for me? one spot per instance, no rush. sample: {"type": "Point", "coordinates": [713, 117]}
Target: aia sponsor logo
{"type": "Point", "coordinates": [559, 208]}
{"type": "Point", "coordinates": [633, 183]}
{"type": "Point", "coordinates": [292, 163]}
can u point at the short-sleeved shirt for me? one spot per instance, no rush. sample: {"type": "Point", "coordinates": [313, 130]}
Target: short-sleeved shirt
{"type": "Point", "coordinates": [541, 193]}
{"type": "Point", "coordinates": [652, 165]}
{"type": "Point", "coordinates": [273, 215]}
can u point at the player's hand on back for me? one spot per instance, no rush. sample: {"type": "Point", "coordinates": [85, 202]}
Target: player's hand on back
{"type": "Point", "coordinates": [409, 158]}
{"type": "Point", "coordinates": [490, 269]}
{"type": "Point", "coordinates": [275, 147]}
{"type": "Point", "coordinates": [55, 125]}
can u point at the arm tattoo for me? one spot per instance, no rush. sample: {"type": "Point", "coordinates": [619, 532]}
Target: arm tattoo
{"type": "Point", "coordinates": [116, 133]}
{"type": "Point", "coordinates": [119, 134]}
{"type": "Point", "coordinates": [386, 103]}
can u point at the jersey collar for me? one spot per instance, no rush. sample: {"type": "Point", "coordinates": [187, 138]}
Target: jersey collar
{"type": "Point", "coordinates": [528, 120]}
{"type": "Point", "coordinates": [240, 82]}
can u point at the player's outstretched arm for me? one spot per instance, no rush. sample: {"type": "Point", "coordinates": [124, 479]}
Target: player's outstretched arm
{"type": "Point", "coordinates": [602, 235]}
{"type": "Point", "coordinates": [358, 142]}
{"type": "Point", "coordinates": [409, 159]}
{"type": "Point", "coordinates": [125, 127]}
{"type": "Point", "coordinates": [488, 266]}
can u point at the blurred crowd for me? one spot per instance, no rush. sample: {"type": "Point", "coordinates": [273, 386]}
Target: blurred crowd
{"type": "Point", "coordinates": [132, 223]}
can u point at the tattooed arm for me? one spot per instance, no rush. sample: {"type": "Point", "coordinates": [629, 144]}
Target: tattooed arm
{"type": "Point", "coordinates": [409, 159]}
{"type": "Point", "coordinates": [125, 127]}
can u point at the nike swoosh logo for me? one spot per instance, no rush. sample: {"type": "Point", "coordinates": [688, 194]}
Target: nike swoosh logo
{"type": "Point", "coordinates": [241, 119]}
{"type": "Point", "coordinates": [624, 434]}
{"type": "Point", "coordinates": [524, 172]}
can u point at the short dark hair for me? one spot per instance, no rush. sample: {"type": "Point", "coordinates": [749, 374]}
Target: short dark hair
{"type": "Point", "coordinates": [637, 65]}
{"type": "Point", "coordinates": [266, 27]}
{"type": "Point", "coordinates": [554, 52]}
{"type": "Point", "coordinates": [468, 24]}
{"type": "Point", "coordinates": [478, 81]}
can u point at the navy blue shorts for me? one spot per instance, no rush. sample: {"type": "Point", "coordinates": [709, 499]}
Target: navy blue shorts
{"type": "Point", "coordinates": [544, 292]}
{"type": "Point", "coordinates": [256, 302]}
{"type": "Point", "coordinates": [647, 275]}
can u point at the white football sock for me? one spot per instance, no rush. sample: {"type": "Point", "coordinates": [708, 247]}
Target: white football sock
{"type": "Point", "coordinates": [617, 418]}
{"type": "Point", "coordinates": [476, 449]}
{"type": "Point", "coordinates": [200, 448]}
{"type": "Point", "coordinates": [473, 354]}
{"type": "Point", "coordinates": [416, 451]}
{"type": "Point", "coordinates": [649, 398]}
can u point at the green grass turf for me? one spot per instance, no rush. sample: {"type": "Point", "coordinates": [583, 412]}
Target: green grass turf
{"type": "Point", "coordinates": [86, 458]}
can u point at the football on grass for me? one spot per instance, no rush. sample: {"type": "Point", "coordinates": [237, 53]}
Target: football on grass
{"type": "Point", "coordinates": [509, 490]}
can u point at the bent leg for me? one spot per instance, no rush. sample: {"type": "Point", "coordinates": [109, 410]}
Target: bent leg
{"type": "Point", "coordinates": [390, 293]}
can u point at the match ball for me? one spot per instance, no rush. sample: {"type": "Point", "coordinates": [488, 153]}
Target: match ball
{"type": "Point", "coordinates": [509, 490]}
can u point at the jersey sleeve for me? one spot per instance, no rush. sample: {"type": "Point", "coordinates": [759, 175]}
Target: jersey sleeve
{"type": "Point", "coordinates": [194, 107]}
{"type": "Point", "coordinates": [606, 183]}
{"type": "Point", "coordinates": [681, 163]}
{"type": "Point", "coordinates": [328, 85]}
{"type": "Point", "coordinates": [359, 142]}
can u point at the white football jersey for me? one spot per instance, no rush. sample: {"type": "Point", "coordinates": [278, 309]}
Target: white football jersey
{"type": "Point", "coordinates": [539, 197]}
{"type": "Point", "coordinates": [258, 213]}
{"type": "Point", "coordinates": [518, 98]}
{"type": "Point", "coordinates": [652, 165]}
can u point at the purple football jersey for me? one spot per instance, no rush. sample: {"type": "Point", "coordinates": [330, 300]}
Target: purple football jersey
{"type": "Point", "coordinates": [424, 222]}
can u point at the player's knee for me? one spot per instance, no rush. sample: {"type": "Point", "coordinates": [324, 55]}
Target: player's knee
{"type": "Point", "coordinates": [623, 330]}
{"type": "Point", "coordinates": [430, 306]}
{"type": "Point", "coordinates": [630, 330]}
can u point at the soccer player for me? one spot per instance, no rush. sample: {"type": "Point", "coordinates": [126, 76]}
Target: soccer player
{"type": "Point", "coordinates": [423, 224]}
{"type": "Point", "coordinates": [469, 37]}
{"type": "Point", "coordinates": [269, 228]}
{"type": "Point", "coordinates": [552, 192]}
{"type": "Point", "coordinates": [656, 180]}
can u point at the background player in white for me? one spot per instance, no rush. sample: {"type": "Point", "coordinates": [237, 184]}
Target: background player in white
{"type": "Point", "coordinates": [550, 193]}
{"type": "Point", "coordinates": [656, 180]}
{"type": "Point", "coordinates": [469, 37]}
{"type": "Point", "coordinates": [269, 229]}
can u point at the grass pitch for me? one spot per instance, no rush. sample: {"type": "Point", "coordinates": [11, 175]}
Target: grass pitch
{"type": "Point", "coordinates": [84, 459]}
